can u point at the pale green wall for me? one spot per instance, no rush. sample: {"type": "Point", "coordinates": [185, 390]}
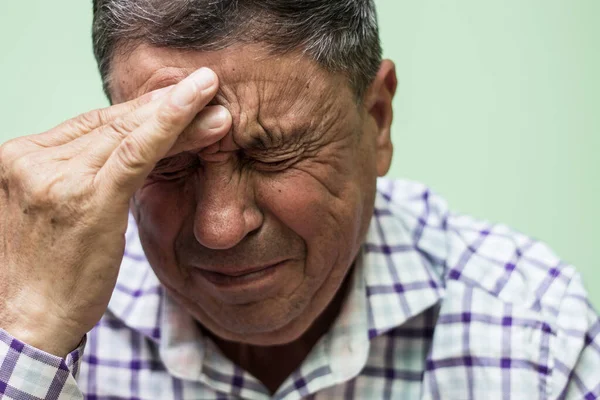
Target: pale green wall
{"type": "Point", "coordinates": [497, 108]}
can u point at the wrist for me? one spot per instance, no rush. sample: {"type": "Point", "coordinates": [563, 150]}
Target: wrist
{"type": "Point", "coordinates": [41, 329]}
{"type": "Point", "coordinates": [47, 342]}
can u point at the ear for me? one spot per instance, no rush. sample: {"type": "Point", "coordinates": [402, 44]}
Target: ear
{"type": "Point", "coordinates": [378, 102]}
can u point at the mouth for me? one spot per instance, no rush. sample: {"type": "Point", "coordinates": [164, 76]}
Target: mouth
{"type": "Point", "coordinates": [235, 277]}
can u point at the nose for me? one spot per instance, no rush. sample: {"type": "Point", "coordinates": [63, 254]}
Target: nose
{"type": "Point", "coordinates": [226, 211]}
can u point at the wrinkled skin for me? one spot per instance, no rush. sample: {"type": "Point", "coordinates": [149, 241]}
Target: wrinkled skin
{"type": "Point", "coordinates": [270, 162]}
{"type": "Point", "coordinates": [293, 181]}
{"type": "Point", "coordinates": [64, 204]}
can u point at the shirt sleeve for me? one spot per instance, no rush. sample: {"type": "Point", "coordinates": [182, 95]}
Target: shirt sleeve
{"type": "Point", "coordinates": [29, 373]}
{"type": "Point", "coordinates": [576, 351]}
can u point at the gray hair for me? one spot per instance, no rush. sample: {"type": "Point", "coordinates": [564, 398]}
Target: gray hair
{"type": "Point", "coordinates": [340, 35]}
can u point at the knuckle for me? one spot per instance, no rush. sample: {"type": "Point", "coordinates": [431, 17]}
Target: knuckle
{"type": "Point", "coordinates": [28, 179]}
{"type": "Point", "coordinates": [36, 195]}
{"type": "Point", "coordinates": [30, 188]}
{"type": "Point", "coordinates": [21, 168]}
{"type": "Point", "coordinates": [122, 126]}
{"type": "Point", "coordinates": [9, 151]}
{"type": "Point", "coordinates": [132, 154]}
{"type": "Point", "coordinates": [34, 186]}
{"type": "Point", "coordinates": [50, 194]}
{"type": "Point", "coordinates": [87, 122]}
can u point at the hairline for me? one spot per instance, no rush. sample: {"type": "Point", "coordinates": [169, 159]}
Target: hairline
{"type": "Point", "coordinates": [124, 49]}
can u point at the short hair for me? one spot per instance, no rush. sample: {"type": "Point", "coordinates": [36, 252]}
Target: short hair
{"type": "Point", "coordinates": [342, 36]}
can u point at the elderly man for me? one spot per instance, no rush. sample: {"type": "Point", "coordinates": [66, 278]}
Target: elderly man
{"type": "Point", "coordinates": [220, 232]}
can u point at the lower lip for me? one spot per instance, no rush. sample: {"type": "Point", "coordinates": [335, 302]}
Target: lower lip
{"type": "Point", "coordinates": [258, 278]}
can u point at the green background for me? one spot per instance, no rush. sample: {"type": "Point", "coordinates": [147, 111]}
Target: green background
{"type": "Point", "coordinates": [497, 107]}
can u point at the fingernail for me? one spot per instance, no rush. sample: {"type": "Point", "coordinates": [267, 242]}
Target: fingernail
{"type": "Point", "coordinates": [204, 78]}
{"type": "Point", "coordinates": [213, 117]}
{"type": "Point", "coordinates": [187, 90]}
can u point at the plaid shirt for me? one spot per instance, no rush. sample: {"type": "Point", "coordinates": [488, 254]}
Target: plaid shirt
{"type": "Point", "coordinates": [442, 306]}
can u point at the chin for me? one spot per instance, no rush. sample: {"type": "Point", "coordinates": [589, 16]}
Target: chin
{"type": "Point", "coordinates": [271, 332]}
{"type": "Point", "coordinates": [252, 324]}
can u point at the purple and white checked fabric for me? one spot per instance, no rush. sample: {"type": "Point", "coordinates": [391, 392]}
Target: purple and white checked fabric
{"type": "Point", "coordinates": [442, 306]}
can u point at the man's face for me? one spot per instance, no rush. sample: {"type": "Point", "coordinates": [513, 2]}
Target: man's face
{"type": "Point", "coordinates": [289, 193]}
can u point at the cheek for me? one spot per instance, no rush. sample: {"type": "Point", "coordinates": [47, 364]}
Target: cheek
{"type": "Point", "coordinates": [329, 222]}
{"type": "Point", "coordinates": [298, 203]}
{"type": "Point", "coordinates": [161, 210]}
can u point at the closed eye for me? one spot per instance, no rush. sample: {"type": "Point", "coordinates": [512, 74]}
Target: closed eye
{"type": "Point", "coordinates": [176, 167]}
{"type": "Point", "coordinates": [273, 165]}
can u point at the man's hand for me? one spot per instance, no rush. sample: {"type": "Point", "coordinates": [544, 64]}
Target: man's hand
{"type": "Point", "coordinates": [64, 201]}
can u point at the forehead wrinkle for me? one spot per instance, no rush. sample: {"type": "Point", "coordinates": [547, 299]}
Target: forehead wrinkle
{"type": "Point", "coordinates": [267, 93]}
{"type": "Point", "coordinates": [267, 100]}
{"type": "Point", "coordinates": [313, 112]}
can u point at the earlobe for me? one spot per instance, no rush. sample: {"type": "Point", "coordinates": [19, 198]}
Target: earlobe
{"type": "Point", "coordinates": [379, 105]}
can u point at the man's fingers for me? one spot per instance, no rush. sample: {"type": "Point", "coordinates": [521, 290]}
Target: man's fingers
{"type": "Point", "coordinates": [207, 128]}
{"type": "Point", "coordinates": [98, 145]}
{"type": "Point", "coordinates": [210, 126]}
{"type": "Point", "coordinates": [133, 159]}
{"type": "Point", "coordinates": [85, 123]}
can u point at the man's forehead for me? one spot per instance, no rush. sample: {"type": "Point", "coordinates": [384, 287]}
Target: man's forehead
{"type": "Point", "coordinates": [246, 74]}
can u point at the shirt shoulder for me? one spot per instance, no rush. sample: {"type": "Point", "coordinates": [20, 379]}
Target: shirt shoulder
{"type": "Point", "coordinates": [510, 305]}
{"type": "Point", "coordinates": [507, 265]}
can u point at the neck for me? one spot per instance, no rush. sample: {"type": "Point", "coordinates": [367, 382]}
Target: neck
{"type": "Point", "coordinates": [272, 365]}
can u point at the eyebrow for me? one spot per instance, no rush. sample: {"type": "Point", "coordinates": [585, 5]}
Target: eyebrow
{"type": "Point", "coordinates": [162, 78]}
{"type": "Point", "coordinates": [264, 140]}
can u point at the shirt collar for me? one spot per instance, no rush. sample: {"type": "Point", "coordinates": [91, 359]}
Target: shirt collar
{"type": "Point", "coordinates": [395, 278]}
{"type": "Point", "coordinates": [402, 277]}
{"type": "Point", "coordinates": [137, 298]}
